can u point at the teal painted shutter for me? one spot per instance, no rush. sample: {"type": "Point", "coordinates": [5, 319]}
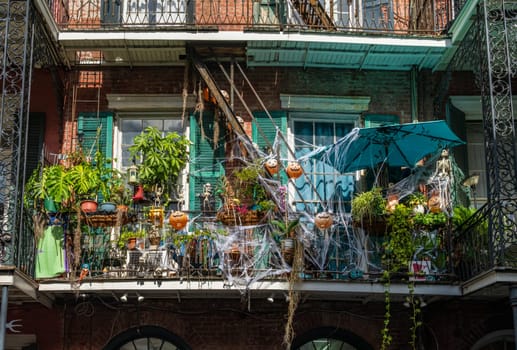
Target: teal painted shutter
{"type": "Point", "coordinates": [97, 133]}
{"type": "Point", "coordinates": [264, 132]}
{"type": "Point", "coordinates": [88, 124]}
{"type": "Point", "coordinates": [206, 160]}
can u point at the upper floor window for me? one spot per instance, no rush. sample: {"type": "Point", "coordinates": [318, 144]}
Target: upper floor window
{"type": "Point", "coordinates": [326, 183]}
{"type": "Point", "coordinates": [129, 127]}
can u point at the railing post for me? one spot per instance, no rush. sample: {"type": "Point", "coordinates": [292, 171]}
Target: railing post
{"type": "Point", "coordinates": [3, 316]}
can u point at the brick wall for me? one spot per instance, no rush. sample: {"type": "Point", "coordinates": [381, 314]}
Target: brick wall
{"type": "Point", "coordinates": [232, 324]}
{"type": "Point", "coordinates": [389, 91]}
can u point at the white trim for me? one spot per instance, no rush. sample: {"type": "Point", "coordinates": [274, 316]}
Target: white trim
{"type": "Point", "coordinates": [140, 106]}
{"type": "Point", "coordinates": [239, 36]}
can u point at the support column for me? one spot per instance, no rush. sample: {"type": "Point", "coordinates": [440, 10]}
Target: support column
{"type": "Point", "coordinates": [3, 315]}
{"type": "Point", "coordinates": [513, 301]}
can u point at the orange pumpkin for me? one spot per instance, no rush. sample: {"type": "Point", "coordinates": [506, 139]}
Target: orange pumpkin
{"type": "Point", "coordinates": [434, 203]}
{"type": "Point", "coordinates": [323, 220]}
{"type": "Point", "coordinates": [294, 170]}
{"type": "Point", "coordinates": [271, 166]}
{"type": "Point", "coordinates": [178, 220]}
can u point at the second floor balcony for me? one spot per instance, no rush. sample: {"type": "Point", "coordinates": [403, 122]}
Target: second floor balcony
{"type": "Point", "coordinates": [397, 17]}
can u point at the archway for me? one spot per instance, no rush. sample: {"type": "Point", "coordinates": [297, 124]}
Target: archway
{"type": "Point", "coordinates": [145, 338]}
{"type": "Point", "coordinates": [330, 338]}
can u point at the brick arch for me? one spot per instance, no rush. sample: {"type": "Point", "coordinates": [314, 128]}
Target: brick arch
{"type": "Point", "coordinates": [145, 332]}
{"type": "Point", "coordinates": [332, 333]}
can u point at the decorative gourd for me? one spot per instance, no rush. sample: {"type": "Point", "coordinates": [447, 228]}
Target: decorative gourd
{"type": "Point", "coordinates": [178, 220]}
{"type": "Point", "coordinates": [323, 220]}
{"type": "Point", "coordinates": [271, 166]}
{"type": "Point", "coordinates": [294, 170]}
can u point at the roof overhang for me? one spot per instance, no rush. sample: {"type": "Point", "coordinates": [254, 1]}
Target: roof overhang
{"type": "Point", "coordinates": [278, 49]}
{"type": "Point", "coordinates": [21, 288]}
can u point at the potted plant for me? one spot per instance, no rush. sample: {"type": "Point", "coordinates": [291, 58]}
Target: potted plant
{"type": "Point", "coordinates": [128, 237]}
{"type": "Point", "coordinates": [284, 232]}
{"type": "Point", "coordinates": [162, 158]}
{"type": "Point", "coordinates": [369, 211]}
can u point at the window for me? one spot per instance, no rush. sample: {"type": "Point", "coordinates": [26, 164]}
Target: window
{"type": "Point", "coordinates": [146, 337]}
{"type": "Point", "coordinates": [132, 126]}
{"type": "Point", "coordinates": [154, 11]}
{"type": "Point", "coordinates": [476, 159]}
{"type": "Point", "coordinates": [326, 183]}
{"type": "Point", "coordinates": [327, 338]}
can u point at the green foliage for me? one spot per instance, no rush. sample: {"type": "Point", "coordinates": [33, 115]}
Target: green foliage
{"type": "Point", "coordinates": [461, 214]}
{"type": "Point", "coordinates": [163, 157]}
{"type": "Point", "coordinates": [400, 246]}
{"type": "Point", "coordinates": [430, 221]}
{"type": "Point", "coordinates": [127, 232]}
{"type": "Point", "coordinates": [80, 179]}
{"type": "Point", "coordinates": [368, 206]}
{"type": "Point", "coordinates": [284, 228]}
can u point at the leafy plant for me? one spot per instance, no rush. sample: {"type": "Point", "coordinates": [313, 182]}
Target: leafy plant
{"type": "Point", "coordinates": [284, 228]}
{"type": "Point", "coordinates": [162, 157]}
{"type": "Point", "coordinates": [368, 206]}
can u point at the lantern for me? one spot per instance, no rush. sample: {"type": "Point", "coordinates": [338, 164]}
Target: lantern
{"type": "Point", "coordinates": [178, 220]}
{"type": "Point", "coordinates": [271, 166]}
{"type": "Point", "coordinates": [156, 216]}
{"type": "Point", "coordinates": [294, 170]}
{"type": "Point", "coordinates": [132, 175]}
{"type": "Point", "coordinates": [323, 220]}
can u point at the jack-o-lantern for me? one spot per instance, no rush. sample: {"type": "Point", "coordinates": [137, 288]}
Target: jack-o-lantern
{"type": "Point", "coordinates": [178, 220]}
{"type": "Point", "coordinates": [294, 170]}
{"type": "Point", "coordinates": [323, 220]}
{"type": "Point", "coordinates": [434, 203]}
{"type": "Point", "coordinates": [271, 166]}
{"type": "Point", "coordinates": [393, 201]}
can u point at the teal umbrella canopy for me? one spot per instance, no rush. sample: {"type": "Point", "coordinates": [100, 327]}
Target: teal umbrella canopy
{"type": "Point", "coordinates": [393, 145]}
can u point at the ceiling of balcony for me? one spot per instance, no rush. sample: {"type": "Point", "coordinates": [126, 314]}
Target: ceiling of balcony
{"type": "Point", "coordinates": [294, 51]}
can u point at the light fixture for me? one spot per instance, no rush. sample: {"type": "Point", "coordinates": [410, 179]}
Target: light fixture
{"type": "Point", "coordinates": [419, 302]}
{"type": "Point", "coordinates": [140, 298]}
{"type": "Point", "coordinates": [472, 182]}
{"type": "Point", "coordinates": [132, 174]}
{"type": "Point", "coordinates": [271, 298]}
{"type": "Point", "coordinates": [123, 298]}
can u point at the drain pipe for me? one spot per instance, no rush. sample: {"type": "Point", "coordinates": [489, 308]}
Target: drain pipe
{"type": "Point", "coordinates": [413, 81]}
{"type": "Point", "coordinates": [3, 316]}
{"type": "Point", "coordinates": [513, 301]}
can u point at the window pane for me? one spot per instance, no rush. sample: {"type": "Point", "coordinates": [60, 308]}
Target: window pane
{"type": "Point", "coordinates": [171, 125]}
{"type": "Point", "coordinates": [153, 122]}
{"type": "Point", "coordinates": [131, 125]}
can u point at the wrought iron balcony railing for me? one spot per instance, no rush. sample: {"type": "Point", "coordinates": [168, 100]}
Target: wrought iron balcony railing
{"type": "Point", "coordinates": [382, 16]}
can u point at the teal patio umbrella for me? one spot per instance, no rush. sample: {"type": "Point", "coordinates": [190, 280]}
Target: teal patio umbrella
{"type": "Point", "coordinates": [393, 145]}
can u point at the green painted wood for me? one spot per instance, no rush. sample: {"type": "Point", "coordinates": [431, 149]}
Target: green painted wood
{"type": "Point", "coordinates": [206, 159]}
{"type": "Point", "coordinates": [89, 124]}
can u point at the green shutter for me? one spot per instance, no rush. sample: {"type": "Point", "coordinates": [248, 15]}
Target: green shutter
{"type": "Point", "coordinates": [206, 161]}
{"type": "Point", "coordinates": [88, 124]}
{"type": "Point", "coordinates": [264, 132]}
{"type": "Point", "coordinates": [264, 129]}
